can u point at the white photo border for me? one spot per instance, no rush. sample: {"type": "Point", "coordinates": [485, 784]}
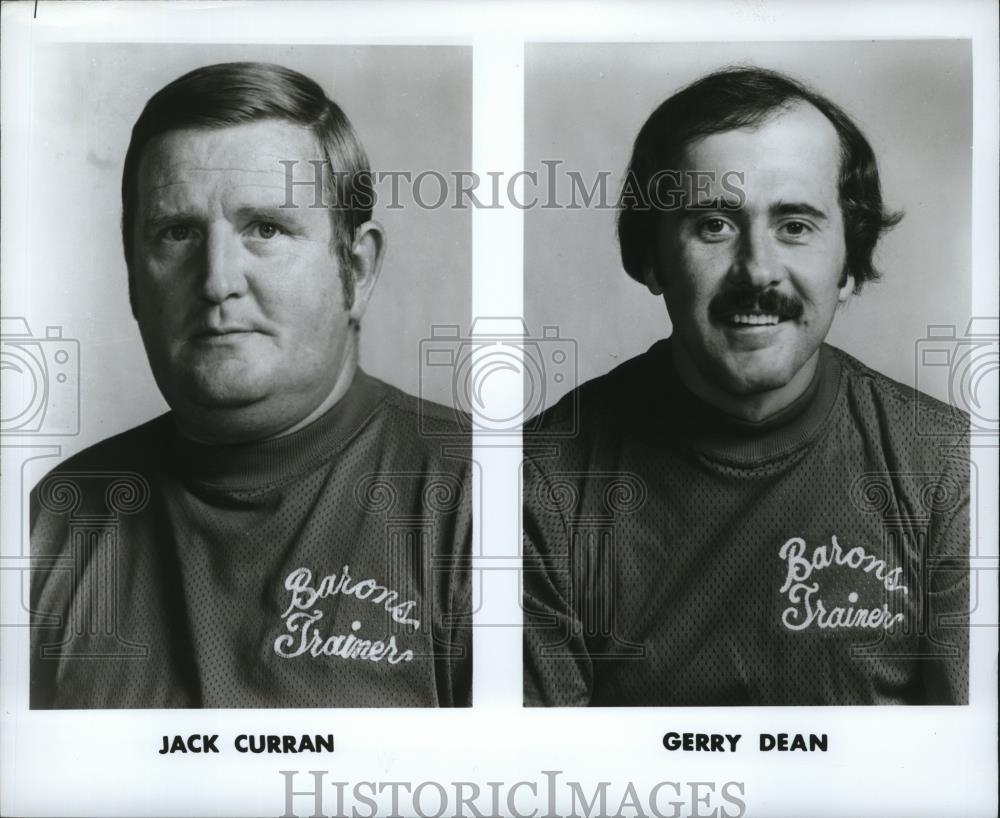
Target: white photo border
{"type": "Point", "coordinates": [882, 761]}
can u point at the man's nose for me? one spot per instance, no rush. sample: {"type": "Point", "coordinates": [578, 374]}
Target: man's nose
{"type": "Point", "coordinates": [224, 270]}
{"type": "Point", "coordinates": [756, 264]}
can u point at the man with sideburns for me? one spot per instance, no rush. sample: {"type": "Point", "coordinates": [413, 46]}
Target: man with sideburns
{"type": "Point", "coordinates": [285, 536]}
{"type": "Point", "coordinates": [744, 514]}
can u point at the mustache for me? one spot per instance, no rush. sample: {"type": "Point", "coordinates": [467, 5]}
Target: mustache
{"type": "Point", "coordinates": [743, 300]}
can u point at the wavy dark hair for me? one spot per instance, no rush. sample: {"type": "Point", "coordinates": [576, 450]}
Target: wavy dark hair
{"type": "Point", "coordinates": [226, 94]}
{"type": "Point", "coordinates": [743, 98]}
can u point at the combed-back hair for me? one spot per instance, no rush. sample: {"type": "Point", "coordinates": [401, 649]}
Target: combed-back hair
{"type": "Point", "coordinates": [744, 98]}
{"type": "Point", "coordinates": [226, 94]}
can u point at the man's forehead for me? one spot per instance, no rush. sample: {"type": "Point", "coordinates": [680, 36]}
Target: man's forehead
{"type": "Point", "coordinates": [791, 153]}
{"type": "Point", "coordinates": [251, 157]}
{"type": "Point", "coordinates": [798, 132]}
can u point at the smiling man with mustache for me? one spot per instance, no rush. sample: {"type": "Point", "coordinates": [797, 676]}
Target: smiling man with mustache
{"type": "Point", "coordinates": [165, 553]}
{"type": "Point", "coordinates": [712, 522]}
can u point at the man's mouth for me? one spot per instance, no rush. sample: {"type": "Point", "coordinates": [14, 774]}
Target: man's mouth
{"type": "Point", "coordinates": [747, 309]}
{"type": "Point", "coordinates": [220, 333]}
{"type": "Point", "coordinates": [755, 319]}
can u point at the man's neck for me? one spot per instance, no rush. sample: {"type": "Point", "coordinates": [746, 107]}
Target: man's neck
{"type": "Point", "coordinates": [210, 435]}
{"type": "Point", "coordinates": [751, 408]}
{"type": "Point", "coordinates": [340, 387]}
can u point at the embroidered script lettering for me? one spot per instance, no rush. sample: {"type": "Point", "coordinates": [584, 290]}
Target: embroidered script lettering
{"type": "Point", "coordinates": [305, 596]}
{"type": "Point", "coordinates": [304, 636]}
{"type": "Point", "coordinates": [807, 608]}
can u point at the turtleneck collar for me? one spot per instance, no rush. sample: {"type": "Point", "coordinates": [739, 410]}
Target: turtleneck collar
{"type": "Point", "coordinates": [259, 464]}
{"type": "Point", "coordinates": [727, 438]}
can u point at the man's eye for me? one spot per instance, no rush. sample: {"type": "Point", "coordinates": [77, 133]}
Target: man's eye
{"type": "Point", "coordinates": [796, 229]}
{"type": "Point", "coordinates": [178, 232]}
{"type": "Point", "coordinates": [715, 228]}
{"type": "Point", "coordinates": [264, 230]}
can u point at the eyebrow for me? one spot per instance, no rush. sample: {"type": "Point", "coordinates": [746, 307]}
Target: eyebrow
{"type": "Point", "coordinates": [727, 205]}
{"type": "Point", "coordinates": [162, 218]}
{"type": "Point", "coordinates": [273, 213]}
{"type": "Point", "coordinates": [776, 210]}
{"type": "Point", "coordinates": [798, 209]}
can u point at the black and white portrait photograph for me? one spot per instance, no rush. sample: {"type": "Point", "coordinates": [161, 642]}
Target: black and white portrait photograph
{"type": "Point", "coordinates": [758, 495]}
{"type": "Point", "coordinates": [479, 409]}
{"type": "Point", "coordinates": [279, 534]}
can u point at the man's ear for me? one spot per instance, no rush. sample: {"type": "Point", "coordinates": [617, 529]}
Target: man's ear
{"type": "Point", "coordinates": [846, 287]}
{"type": "Point", "coordinates": [652, 281]}
{"type": "Point", "coordinates": [367, 252]}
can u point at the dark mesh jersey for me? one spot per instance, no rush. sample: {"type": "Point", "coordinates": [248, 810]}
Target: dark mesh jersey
{"type": "Point", "coordinates": [675, 556]}
{"type": "Point", "coordinates": [320, 569]}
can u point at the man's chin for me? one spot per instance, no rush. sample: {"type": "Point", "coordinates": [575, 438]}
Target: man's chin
{"type": "Point", "coordinates": [746, 378]}
{"type": "Point", "coordinates": [222, 391]}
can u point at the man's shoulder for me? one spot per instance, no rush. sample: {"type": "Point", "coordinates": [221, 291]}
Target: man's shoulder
{"type": "Point", "coordinates": [131, 450]}
{"type": "Point", "coordinates": [113, 473]}
{"type": "Point", "coordinates": [416, 427]}
{"type": "Point", "coordinates": [897, 404]}
{"type": "Point", "coordinates": [418, 414]}
{"type": "Point", "coordinates": [591, 428]}
{"type": "Point", "coordinates": [606, 399]}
